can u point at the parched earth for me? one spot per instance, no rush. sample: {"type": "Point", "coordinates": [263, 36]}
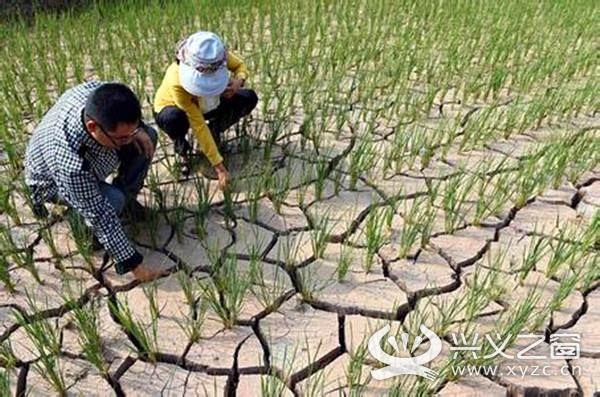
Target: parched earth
{"type": "Point", "coordinates": [300, 330]}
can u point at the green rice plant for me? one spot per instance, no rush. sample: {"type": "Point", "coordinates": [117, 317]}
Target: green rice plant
{"type": "Point", "coordinates": [374, 236]}
{"type": "Point", "coordinates": [144, 337]}
{"type": "Point", "coordinates": [492, 195]}
{"type": "Point", "coordinates": [5, 388]}
{"type": "Point", "coordinates": [254, 196]}
{"type": "Point", "coordinates": [229, 200]}
{"type": "Point", "coordinates": [151, 292]}
{"type": "Point", "coordinates": [361, 159]}
{"type": "Point", "coordinates": [226, 290]}
{"type": "Point", "coordinates": [267, 295]}
{"type": "Point", "coordinates": [45, 337]}
{"type": "Point", "coordinates": [320, 235]}
{"type": "Point", "coordinates": [449, 312]}
{"type": "Point", "coordinates": [391, 209]}
{"type": "Point", "coordinates": [565, 289]}
{"type": "Point", "coordinates": [322, 169]}
{"type": "Point", "coordinates": [312, 284]}
{"type": "Point", "coordinates": [278, 189]}
{"type": "Point", "coordinates": [495, 288]}
{"type": "Point", "coordinates": [315, 384]}
{"type": "Point", "coordinates": [427, 220]}
{"type": "Point", "coordinates": [590, 274]}
{"type": "Point", "coordinates": [344, 262]}
{"type": "Point", "coordinates": [273, 384]}
{"type": "Point", "coordinates": [528, 180]}
{"type": "Point", "coordinates": [458, 188]}
{"type": "Point", "coordinates": [176, 215]}
{"type": "Point", "coordinates": [87, 321]}
{"type": "Point", "coordinates": [288, 250]}
{"type": "Point", "coordinates": [82, 235]}
{"type": "Point", "coordinates": [513, 322]}
{"type": "Point", "coordinates": [203, 205]}
{"type": "Point", "coordinates": [559, 160]}
{"type": "Point", "coordinates": [531, 256]}
{"type": "Point", "coordinates": [7, 355]}
{"type": "Point", "coordinates": [569, 248]}
{"type": "Point", "coordinates": [5, 276]}
{"type": "Point", "coordinates": [354, 369]}
{"type": "Point", "coordinates": [48, 239]}
{"type": "Point", "coordinates": [189, 288]}
{"type": "Point", "coordinates": [193, 322]}
{"type": "Point", "coordinates": [583, 156]}
{"type": "Point", "coordinates": [7, 203]}
{"type": "Point", "coordinates": [411, 226]}
{"type": "Point", "coordinates": [22, 257]}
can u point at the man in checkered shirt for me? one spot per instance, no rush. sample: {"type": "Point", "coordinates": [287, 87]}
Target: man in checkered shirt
{"type": "Point", "coordinates": [93, 129]}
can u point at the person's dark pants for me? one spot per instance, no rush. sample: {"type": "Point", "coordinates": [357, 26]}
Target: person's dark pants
{"type": "Point", "coordinates": [130, 177]}
{"type": "Point", "coordinates": [174, 122]}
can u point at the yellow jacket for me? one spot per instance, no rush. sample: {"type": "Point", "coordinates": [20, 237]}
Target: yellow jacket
{"type": "Point", "coordinates": [171, 93]}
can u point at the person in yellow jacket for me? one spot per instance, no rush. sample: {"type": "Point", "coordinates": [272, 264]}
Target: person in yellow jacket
{"type": "Point", "coordinates": [203, 89]}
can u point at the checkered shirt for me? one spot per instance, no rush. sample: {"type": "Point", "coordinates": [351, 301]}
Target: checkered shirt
{"type": "Point", "coordinates": [63, 160]}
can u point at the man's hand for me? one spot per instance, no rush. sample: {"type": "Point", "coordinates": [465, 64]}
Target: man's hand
{"type": "Point", "coordinates": [145, 273]}
{"type": "Point", "coordinates": [223, 175]}
{"type": "Point", "coordinates": [234, 85]}
{"type": "Point", "coordinates": [144, 145]}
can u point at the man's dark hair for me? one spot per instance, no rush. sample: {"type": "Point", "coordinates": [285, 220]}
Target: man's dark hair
{"type": "Point", "coordinates": [112, 104]}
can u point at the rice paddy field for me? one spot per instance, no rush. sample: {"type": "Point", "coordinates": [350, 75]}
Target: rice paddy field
{"type": "Point", "coordinates": [408, 163]}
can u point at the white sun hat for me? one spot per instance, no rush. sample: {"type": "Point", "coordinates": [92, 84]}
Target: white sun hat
{"type": "Point", "coordinates": [203, 64]}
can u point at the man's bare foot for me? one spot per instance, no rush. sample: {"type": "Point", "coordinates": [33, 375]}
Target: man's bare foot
{"type": "Point", "coordinates": [144, 273]}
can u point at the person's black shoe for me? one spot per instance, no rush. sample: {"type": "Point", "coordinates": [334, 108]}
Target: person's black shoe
{"type": "Point", "coordinates": [96, 244]}
{"type": "Point", "coordinates": [40, 211]}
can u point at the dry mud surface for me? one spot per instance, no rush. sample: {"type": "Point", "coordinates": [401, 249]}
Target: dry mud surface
{"type": "Point", "coordinates": [300, 329]}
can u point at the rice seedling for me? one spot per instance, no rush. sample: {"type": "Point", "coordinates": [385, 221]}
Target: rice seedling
{"type": "Point", "coordinates": [5, 276]}
{"type": "Point", "coordinates": [7, 355]}
{"type": "Point", "coordinates": [225, 291]}
{"type": "Point", "coordinates": [312, 284]}
{"type": "Point", "coordinates": [278, 189]}
{"type": "Point", "coordinates": [5, 389]}
{"type": "Point", "coordinates": [315, 384]}
{"type": "Point", "coordinates": [82, 235]}
{"type": "Point", "coordinates": [22, 257]}
{"type": "Point", "coordinates": [528, 180]}
{"type": "Point", "coordinates": [7, 204]}
{"type": "Point", "coordinates": [273, 384]}
{"type": "Point", "coordinates": [87, 321]}
{"type": "Point", "coordinates": [374, 236]}
{"type": "Point", "coordinates": [531, 256]}
{"type": "Point", "coordinates": [320, 234]}
{"type": "Point", "coordinates": [45, 337]}
{"type": "Point", "coordinates": [203, 205]}
{"type": "Point", "coordinates": [267, 294]}
{"type": "Point", "coordinates": [144, 338]}
{"type": "Point", "coordinates": [151, 292]}
{"type": "Point", "coordinates": [458, 188]}
{"type": "Point", "coordinates": [361, 159]}
{"type": "Point", "coordinates": [322, 168]}
{"type": "Point", "coordinates": [344, 262]}
{"type": "Point", "coordinates": [417, 225]}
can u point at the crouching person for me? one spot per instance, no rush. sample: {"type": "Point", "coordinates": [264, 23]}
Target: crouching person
{"type": "Point", "coordinates": [92, 130]}
{"type": "Point", "coordinates": [203, 89]}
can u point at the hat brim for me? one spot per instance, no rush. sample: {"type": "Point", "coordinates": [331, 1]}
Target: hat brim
{"type": "Point", "coordinates": [203, 84]}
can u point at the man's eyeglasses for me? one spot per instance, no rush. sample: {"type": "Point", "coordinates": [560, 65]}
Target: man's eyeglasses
{"type": "Point", "coordinates": [119, 141]}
